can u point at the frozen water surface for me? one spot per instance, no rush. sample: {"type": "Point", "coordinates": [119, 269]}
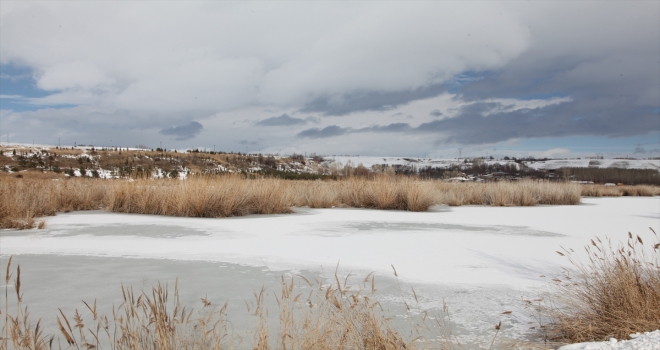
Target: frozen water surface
{"type": "Point", "coordinates": [479, 260]}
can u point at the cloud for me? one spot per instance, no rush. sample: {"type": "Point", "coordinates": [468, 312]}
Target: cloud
{"type": "Point", "coordinates": [493, 121]}
{"type": "Point", "coordinates": [328, 131]}
{"type": "Point", "coordinates": [335, 130]}
{"type": "Point", "coordinates": [394, 127]}
{"type": "Point", "coordinates": [496, 71]}
{"type": "Point", "coordinates": [248, 143]}
{"type": "Point", "coordinates": [184, 132]}
{"type": "Point", "coordinates": [374, 100]}
{"type": "Point", "coordinates": [164, 58]}
{"type": "Point", "coordinates": [640, 150]}
{"type": "Point", "coordinates": [435, 113]}
{"type": "Point", "coordinates": [285, 120]}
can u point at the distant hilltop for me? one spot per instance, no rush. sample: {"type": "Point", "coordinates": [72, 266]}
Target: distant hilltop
{"type": "Point", "coordinates": [119, 162]}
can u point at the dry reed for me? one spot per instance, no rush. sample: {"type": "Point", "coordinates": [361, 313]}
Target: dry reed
{"type": "Point", "coordinates": [618, 191]}
{"type": "Point", "coordinates": [521, 193]}
{"type": "Point", "coordinates": [23, 200]}
{"type": "Point", "coordinates": [613, 294]}
{"type": "Point", "coordinates": [333, 316]}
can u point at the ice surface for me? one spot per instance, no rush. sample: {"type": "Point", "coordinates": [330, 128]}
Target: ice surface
{"type": "Point", "coordinates": [479, 260]}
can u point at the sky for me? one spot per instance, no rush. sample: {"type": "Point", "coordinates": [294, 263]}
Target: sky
{"type": "Point", "coordinates": [393, 78]}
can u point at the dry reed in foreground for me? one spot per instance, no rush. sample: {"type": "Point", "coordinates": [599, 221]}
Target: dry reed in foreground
{"type": "Point", "coordinates": [614, 294]}
{"type": "Point", "coordinates": [335, 316]}
{"type": "Point", "coordinates": [23, 200]}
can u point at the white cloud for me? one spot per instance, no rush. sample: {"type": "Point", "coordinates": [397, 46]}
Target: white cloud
{"type": "Point", "coordinates": [71, 75]}
{"type": "Point", "coordinates": [226, 56]}
{"type": "Point", "coordinates": [134, 68]}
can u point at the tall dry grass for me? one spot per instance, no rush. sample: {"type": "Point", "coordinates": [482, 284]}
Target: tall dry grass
{"type": "Point", "coordinates": [23, 200]}
{"type": "Point", "coordinates": [618, 191]}
{"type": "Point", "coordinates": [520, 193]}
{"type": "Point", "coordinates": [330, 316]}
{"type": "Point", "coordinates": [379, 193]}
{"type": "Point", "coordinates": [615, 293]}
{"type": "Point", "coordinates": [202, 197]}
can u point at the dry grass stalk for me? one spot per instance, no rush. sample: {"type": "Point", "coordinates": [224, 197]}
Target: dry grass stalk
{"type": "Point", "coordinates": [613, 294]}
{"type": "Point", "coordinates": [617, 191]}
{"type": "Point", "coordinates": [521, 193]}
{"type": "Point", "coordinates": [18, 329]}
{"type": "Point", "coordinates": [23, 200]}
{"type": "Point", "coordinates": [334, 316]}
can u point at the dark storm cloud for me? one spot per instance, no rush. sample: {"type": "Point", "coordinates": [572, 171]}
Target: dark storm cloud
{"type": "Point", "coordinates": [611, 96]}
{"type": "Point", "coordinates": [285, 120]}
{"type": "Point", "coordinates": [479, 123]}
{"type": "Point", "coordinates": [360, 101]}
{"type": "Point", "coordinates": [184, 132]}
{"type": "Point", "coordinates": [560, 120]}
{"type": "Point", "coordinates": [328, 131]}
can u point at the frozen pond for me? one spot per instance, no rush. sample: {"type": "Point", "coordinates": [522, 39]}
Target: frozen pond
{"type": "Point", "coordinates": [480, 260]}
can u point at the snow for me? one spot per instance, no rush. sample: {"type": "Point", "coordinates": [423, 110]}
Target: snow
{"type": "Point", "coordinates": [645, 341]}
{"type": "Point", "coordinates": [480, 260]}
{"type": "Point", "coordinates": [470, 244]}
{"type": "Point", "coordinates": [446, 163]}
{"type": "Point", "coordinates": [418, 162]}
{"type": "Point", "coordinates": [596, 163]}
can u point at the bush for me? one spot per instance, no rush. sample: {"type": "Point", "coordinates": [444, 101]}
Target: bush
{"type": "Point", "coordinates": [613, 294]}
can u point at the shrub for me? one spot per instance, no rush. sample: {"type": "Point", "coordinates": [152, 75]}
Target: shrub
{"type": "Point", "coordinates": [615, 293]}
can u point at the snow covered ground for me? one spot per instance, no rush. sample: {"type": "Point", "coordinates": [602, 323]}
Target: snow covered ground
{"type": "Point", "coordinates": [480, 260]}
{"type": "Point", "coordinates": [447, 163]}
{"type": "Point", "coordinates": [653, 164]}
{"type": "Point", "coordinates": [645, 341]}
{"type": "Point", "coordinates": [369, 161]}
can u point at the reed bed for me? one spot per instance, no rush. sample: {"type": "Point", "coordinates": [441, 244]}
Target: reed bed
{"type": "Point", "coordinates": [236, 196]}
{"type": "Point", "coordinates": [23, 200]}
{"type": "Point", "coordinates": [615, 293]}
{"type": "Point", "coordinates": [202, 197]}
{"type": "Point", "coordinates": [618, 191]}
{"type": "Point", "coordinates": [521, 193]}
{"type": "Point", "coordinates": [329, 316]}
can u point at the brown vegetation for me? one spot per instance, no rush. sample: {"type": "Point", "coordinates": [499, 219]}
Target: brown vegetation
{"type": "Point", "coordinates": [617, 191]}
{"type": "Point", "coordinates": [334, 316]}
{"type": "Point", "coordinates": [24, 199]}
{"type": "Point", "coordinates": [613, 175]}
{"type": "Point", "coordinates": [613, 294]}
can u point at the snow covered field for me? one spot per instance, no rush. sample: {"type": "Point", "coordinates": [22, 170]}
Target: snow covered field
{"type": "Point", "coordinates": [480, 260]}
{"type": "Point", "coordinates": [653, 164]}
{"type": "Point", "coordinates": [549, 164]}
